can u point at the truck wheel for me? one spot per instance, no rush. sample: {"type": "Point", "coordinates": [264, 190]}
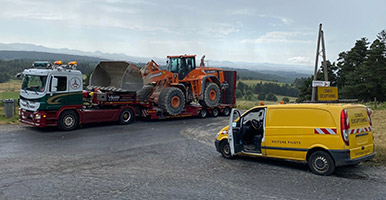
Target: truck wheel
{"type": "Point", "coordinates": [203, 113]}
{"type": "Point", "coordinates": [126, 116]}
{"type": "Point", "coordinates": [321, 163]}
{"type": "Point", "coordinates": [225, 150]}
{"type": "Point", "coordinates": [226, 111]}
{"type": "Point", "coordinates": [211, 95]}
{"type": "Point", "coordinates": [144, 93]}
{"type": "Point", "coordinates": [68, 120]}
{"type": "Point", "coordinates": [171, 100]}
{"type": "Point", "coordinates": [215, 112]}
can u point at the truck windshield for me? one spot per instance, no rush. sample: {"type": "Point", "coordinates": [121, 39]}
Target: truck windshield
{"type": "Point", "coordinates": [34, 83]}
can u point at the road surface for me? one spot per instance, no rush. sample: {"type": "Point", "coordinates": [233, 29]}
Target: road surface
{"type": "Point", "coordinates": [169, 159]}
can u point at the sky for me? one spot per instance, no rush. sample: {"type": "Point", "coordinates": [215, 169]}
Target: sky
{"type": "Point", "coordinates": [258, 31]}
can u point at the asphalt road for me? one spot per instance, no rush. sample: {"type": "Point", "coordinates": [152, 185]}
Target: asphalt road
{"type": "Point", "coordinates": [170, 159]}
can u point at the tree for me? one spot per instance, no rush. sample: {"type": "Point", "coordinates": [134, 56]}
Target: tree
{"type": "Point", "coordinates": [285, 99]}
{"type": "Point", "coordinates": [271, 97]}
{"type": "Point", "coordinates": [261, 97]}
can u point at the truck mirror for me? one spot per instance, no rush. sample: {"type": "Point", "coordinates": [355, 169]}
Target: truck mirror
{"type": "Point", "coordinates": [18, 75]}
{"type": "Point", "coordinates": [54, 84]}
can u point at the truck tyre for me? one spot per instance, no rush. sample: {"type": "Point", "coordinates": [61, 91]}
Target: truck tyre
{"type": "Point", "coordinates": [144, 93]}
{"type": "Point", "coordinates": [226, 111]}
{"type": "Point", "coordinates": [321, 163]}
{"type": "Point", "coordinates": [126, 116]}
{"type": "Point", "coordinates": [68, 120]}
{"type": "Point", "coordinates": [225, 150]}
{"type": "Point", "coordinates": [215, 112]}
{"type": "Point", "coordinates": [211, 96]}
{"type": "Point", "coordinates": [171, 100]}
{"type": "Point", "coordinates": [203, 113]}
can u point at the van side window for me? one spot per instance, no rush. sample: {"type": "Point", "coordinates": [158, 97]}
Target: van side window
{"type": "Point", "coordinates": [62, 83]}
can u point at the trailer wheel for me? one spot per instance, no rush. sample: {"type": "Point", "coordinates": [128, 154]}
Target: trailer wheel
{"type": "Point", "coordinates": [226, 111]}
{"type": "Point", "coordinates": [145, 92]}
{"type": "Point", "coordinates": [68, 120]}
{"type": "Point", "coordinates": [171, 100]}
{"type": "Point", "coordinates": [211, 95]}
{"type": "Point", "coordinates": [203, 113]}
{"type": "Point", "coordinates": [215, 112]}
{"type": "Point", "coordinates": [126, 116]}
{"type": "Point", "coordinates": [321, 163]}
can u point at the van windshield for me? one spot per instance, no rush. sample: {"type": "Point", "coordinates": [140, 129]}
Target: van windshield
{"type": "Point", "coordinates": [34, 83]}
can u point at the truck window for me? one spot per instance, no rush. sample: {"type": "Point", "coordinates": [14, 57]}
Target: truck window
{"type": "Point", "coordinates": [62, 83]}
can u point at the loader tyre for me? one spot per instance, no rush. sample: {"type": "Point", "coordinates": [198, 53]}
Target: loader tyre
{"type": "Point", "coordinates": [211, 95]}
{"type": "Point", "coordinates": [144, 93]}
{"type": "Point", "coordinates": [171, 100]}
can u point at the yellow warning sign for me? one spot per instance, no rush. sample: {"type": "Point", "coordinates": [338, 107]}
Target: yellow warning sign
{"type": "Point", "coordinates": [327, 93]}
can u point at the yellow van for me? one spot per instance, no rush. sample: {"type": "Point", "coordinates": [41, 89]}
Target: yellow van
{"type": "Point", "coordinates": [323, 135]}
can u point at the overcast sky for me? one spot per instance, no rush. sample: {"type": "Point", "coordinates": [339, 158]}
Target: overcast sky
{"type": "Point", "coordinates": [276, 31]}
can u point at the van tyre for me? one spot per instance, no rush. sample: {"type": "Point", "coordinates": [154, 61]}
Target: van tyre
{"type": "Point", "coordinates": [321, 163]}
{"type": "Point", "coordinates": [225, 150]}
{"type": "Point", "coordinates": [68, 120]}
{"type": "Point", "coordinates": [211, 96]}
{"type": "Point", "coordinates": [126, 116]}
{"type": "Point", "coordinates": [171, 100]}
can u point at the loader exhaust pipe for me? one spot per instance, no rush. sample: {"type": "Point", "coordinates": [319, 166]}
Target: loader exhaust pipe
{"type": "Point", "coordinates": [115, 75]}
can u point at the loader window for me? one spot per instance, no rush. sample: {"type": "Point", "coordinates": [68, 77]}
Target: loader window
{"type": "Point", "coordinates": [173, 64]}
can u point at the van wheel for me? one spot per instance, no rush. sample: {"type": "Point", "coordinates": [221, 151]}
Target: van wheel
{"type": "Point", "coordinates": [321, 163]}
{"type": "Point", "coordinates": [225, 150]}
{"type": "Point", "coordinates": [68, 120]}
{"type": "Point", "coordinates": [215, 112]}
{"type": "Point", "coordinates": [126, 116]}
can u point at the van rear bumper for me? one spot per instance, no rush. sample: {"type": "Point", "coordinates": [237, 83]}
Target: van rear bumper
{"type": "Point", "coordinates": [342, 157]}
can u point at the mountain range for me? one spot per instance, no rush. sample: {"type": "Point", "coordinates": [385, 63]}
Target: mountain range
{"type": "Point", "coordinates": [265, 71]}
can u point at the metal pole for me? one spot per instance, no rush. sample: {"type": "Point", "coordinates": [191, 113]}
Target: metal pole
{"type": "Point", "coordinates": [324, 58]}
{"type": "Point", "coordinates": [316, 62]}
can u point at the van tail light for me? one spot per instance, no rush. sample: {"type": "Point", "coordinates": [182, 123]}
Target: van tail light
{"type": "Point", "coordinates": [369, 112]}
{"type": "Point", "coordinates": [344, 127]}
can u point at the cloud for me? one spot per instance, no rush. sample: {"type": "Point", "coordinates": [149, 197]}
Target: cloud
{"type": "Point", "coordinates": [253, 12]}
{"type": "Point", "coordinates": [277, 36]}
{"type": "Point", "coordinates": [300, 60]}
{"type": "Point", "coordinates": [220, 30]}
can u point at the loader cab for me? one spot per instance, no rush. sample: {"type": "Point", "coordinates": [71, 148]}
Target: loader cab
{"type": "Point", "coordinates": [181, 65]}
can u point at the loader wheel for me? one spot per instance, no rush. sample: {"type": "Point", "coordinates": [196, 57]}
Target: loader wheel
{"type": "Point", "coordinates": [144, 93]}
{"type": "Point", "coordinates": [211, 95]}
{"type": "Point", "coordinates": [171, 100]}
{"type": "Point", "coordinates": [68, 120]}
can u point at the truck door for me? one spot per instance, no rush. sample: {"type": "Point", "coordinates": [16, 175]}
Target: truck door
{"type": "Point", "coordinates": [58, 98]}
{"type": "Point", "coordinates": [234, 136]}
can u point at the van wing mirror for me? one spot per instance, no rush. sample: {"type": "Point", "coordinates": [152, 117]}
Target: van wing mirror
{"type": "Point", "coordinates": [54, 84]}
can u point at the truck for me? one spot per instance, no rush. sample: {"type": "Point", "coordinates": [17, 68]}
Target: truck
{"type": "Point", "coordinates": [52, 94]}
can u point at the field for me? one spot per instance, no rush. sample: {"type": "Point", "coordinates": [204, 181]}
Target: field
{"type": "Point", "coordinates": [379, 125]}
{"type": "Point", "coordinates": [253, 82]}
{"type": "Point", "coordinates": [9, 90]}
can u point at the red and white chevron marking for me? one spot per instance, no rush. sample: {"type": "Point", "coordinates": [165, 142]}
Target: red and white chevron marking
{"type": "Point", "coordinates": [359, 130]}
{"type": "Point", "coordinates": [144, 113]}
{"type": "Point", "coordinates": [325, 131]}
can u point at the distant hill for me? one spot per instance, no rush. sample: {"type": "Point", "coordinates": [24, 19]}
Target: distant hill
{"type": "Point", "coordinates": [34, 55]}
{"type": "Point", "coordinates": [250, 73]}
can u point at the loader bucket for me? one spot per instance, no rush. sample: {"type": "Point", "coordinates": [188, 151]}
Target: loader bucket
{"type": "Point", "coordinates": [116, 75]}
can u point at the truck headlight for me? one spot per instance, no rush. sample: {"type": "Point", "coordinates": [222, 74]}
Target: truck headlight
{"type": "Point", "coordinates": [38, 116]}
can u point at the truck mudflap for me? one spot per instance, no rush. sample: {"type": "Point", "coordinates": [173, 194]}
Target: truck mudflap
{"type": "Point", "coordinates": [342, 157]}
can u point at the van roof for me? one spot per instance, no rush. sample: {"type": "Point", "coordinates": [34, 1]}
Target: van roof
{"type": "Point", "coordinates": [313, 105]}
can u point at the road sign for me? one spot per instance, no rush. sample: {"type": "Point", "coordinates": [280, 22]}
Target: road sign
{"type": "Point", "coordinates": [327, 93]}
{"type": "Point", "coordinates": [320, 83]}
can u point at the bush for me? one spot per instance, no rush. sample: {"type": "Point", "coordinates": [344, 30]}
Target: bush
{"type": "Point", "coordinates": [286, 99]}
{"type": "Point", "coordinates": [271, 97]}
{"type": "Point", "coordinates": [261, 97]}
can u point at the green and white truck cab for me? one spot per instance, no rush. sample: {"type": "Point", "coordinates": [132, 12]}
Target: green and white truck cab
{"type": "Point", "coordinates": [48, 89]}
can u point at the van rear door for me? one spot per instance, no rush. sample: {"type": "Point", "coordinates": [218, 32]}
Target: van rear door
{"type": "Point", "coordinates": [360, 132]}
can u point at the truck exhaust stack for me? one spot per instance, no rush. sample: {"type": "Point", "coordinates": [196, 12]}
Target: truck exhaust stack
{"type": "Point", "coordinates": [116, 76]}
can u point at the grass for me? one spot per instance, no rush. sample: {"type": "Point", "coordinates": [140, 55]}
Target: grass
{"type": "Point", "coordinates": [10, 86]}
{"type": "Point", "coordinates": [9, 90]}
{"type": "Point", "coordinates": [12, 120]}
{"type": "Point", "coordinates": [379, 126]}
